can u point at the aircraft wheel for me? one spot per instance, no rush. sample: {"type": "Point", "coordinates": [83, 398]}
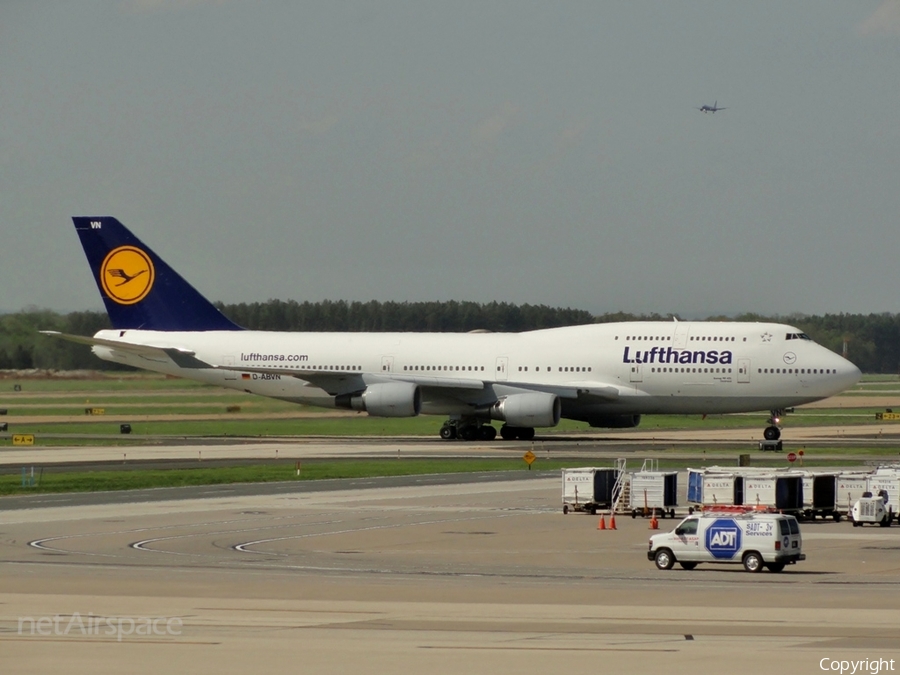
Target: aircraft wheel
{"type": "Point", "coordinates": [487, 433]}
{"type": "Point", "coordinates": [468, 433]}
{"type": "Point", "coordinates": [772, 433]}
{"type": "Point", "coordinates": [507, 433]}
{"type": "Point", "coordinates": [526, 433]}
{"type": "Point", "coordinates": [448, 433]}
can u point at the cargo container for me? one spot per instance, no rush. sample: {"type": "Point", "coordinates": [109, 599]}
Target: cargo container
{"type": "Point", "coordinates": [850, 487]}
{"type": "Point", "coordinates": [588, 489]}
{"type": "Point", "coordinates": [820, 495]}
{"type": "Point", "coordinates": [708, 488]}
{"type": "Point", "coordinates": [780, 491]}
{"type": "Point", "coordinates": [653, 491]}
{"type": "Point", "coordinates": [886, 482]}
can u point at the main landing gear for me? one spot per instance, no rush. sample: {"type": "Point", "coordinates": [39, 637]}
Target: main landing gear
{"type": "Point", "coordinates": [773, 431]}
{"type": "Point", "coordinates": [474, 430]}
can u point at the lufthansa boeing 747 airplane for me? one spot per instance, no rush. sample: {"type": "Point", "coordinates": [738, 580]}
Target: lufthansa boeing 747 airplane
{"type": "Point", "coordinates": [607, 375]}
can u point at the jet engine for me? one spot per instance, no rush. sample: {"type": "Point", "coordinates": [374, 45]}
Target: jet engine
{"type": "Point", "coordinates": [615, 421]}
{"type": "Point", "coordinates": [536, 409]}
{"type": "Point", "coordinates": [387, 399]}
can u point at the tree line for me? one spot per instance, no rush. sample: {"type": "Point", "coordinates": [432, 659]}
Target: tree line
{"type": "Point", "coordinates": [873, 339]}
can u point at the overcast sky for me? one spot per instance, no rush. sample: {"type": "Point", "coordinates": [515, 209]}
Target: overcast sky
{"type": "Point", "coordinates": [529, 152]}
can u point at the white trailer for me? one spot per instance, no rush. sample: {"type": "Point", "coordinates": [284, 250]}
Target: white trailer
{"type": "Point", "coordinates": [820, 495]}
{"type": "Point", "coordinates": [589, 488]}
{"type": "Point", "coordinates": [779, 491]}
{"type": "Point", "coordinates": [653, 492]}
{"type": "Point", "coordinates": [850, 487]}
{"type": "Point", "coordinates": [712, 488]}
{"type": "Point", "coordinates": [886, 481]}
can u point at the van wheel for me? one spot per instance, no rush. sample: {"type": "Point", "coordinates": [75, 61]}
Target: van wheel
{"type": "Point", "coordinates": [753, 562]}
{"type": "Point", "coordinates": [855, 523]}
{"type": "Point", "coordinates": [775, 567]}
{"type": "Point", "coordinates": [836, 516]}
{"type": "Point", "coordinates": [885, 522]}
{"type": "Point", "coordinates": [664, 559]}
{"type": "Point", "coordinates": [687, 565]}
{"type": "Point", "coordinates": [565, 509]}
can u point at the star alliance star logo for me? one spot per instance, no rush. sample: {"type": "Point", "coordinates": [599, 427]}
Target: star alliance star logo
{"type": "Point", "coordinates": [767, 337]}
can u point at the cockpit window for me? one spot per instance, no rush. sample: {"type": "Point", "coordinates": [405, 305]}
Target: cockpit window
{"type": "Point", "coordinates": [797, 336]}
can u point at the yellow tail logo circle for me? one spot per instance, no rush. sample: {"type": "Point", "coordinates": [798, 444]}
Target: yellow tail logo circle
{"type": "Point", "coordinates": [127, 275]}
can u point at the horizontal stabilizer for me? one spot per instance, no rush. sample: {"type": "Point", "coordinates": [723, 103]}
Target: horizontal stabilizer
{"type": "Point", "coordinates": [183, 358]}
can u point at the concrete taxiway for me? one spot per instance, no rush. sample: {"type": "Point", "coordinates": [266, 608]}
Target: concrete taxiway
{"type": "Point", "coordinates": [475, 577]}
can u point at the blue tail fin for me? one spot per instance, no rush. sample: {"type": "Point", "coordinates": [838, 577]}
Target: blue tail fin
{"type": "Point", "coordinates": [138, 288]}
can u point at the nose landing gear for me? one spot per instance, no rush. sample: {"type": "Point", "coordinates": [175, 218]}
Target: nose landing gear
{"type": "Point", "coordinates": [773, 431]}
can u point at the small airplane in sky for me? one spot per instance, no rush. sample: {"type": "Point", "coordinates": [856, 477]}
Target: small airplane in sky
{"type": "Point", "coordinates": [711, 108]}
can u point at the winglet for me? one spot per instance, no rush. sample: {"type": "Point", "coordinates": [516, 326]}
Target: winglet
{"type": "Point", "coordinates": [139, 289]}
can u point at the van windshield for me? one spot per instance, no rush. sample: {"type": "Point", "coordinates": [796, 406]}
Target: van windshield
{"type": "Point", "coordinates": [688, 526]}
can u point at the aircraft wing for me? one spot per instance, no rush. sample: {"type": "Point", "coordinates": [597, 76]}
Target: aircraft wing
{"type": "Point", "coordinates": [342, 382]}
{"type": "Point", "coordinates": [183, 358]}
{"type": "Point", "coordinates": [587, 392]}
{"type": "Point", "coordinates": [336, 383]}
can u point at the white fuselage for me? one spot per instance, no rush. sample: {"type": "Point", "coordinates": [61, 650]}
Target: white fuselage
{"type": "Point", "coordinates": [653, 367]}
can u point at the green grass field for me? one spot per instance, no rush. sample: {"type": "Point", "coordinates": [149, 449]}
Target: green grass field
{"type": "Point", "coordinates": [124, 398]}
{"type": "Point", "coordinates": [56, 479]}
{"type": "Point", "coordinates": [129, 398]}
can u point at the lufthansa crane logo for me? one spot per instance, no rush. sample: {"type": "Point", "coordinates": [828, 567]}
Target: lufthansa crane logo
{"type": "Point", "coordinates": [127, 275]}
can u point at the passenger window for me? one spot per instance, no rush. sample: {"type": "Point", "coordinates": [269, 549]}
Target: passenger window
{"type": "Point", "coordinates": [795, 528]}
{"type": "Point", "coordinates": [783, 527]}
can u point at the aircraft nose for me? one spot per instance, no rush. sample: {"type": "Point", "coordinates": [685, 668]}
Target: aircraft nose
{"type": "Point", "coordinates": [848, 373]}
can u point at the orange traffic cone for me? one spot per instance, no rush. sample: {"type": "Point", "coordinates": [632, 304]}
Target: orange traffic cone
{"type": "Point", "coordinates": [654, 523]}
{"type": "Point", "coordinates": [602, 524]}
{"type": "Point", "coordinates": [612, 521]}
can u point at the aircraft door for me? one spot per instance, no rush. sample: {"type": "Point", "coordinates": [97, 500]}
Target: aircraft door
{"type": "Point", "coordinates": [743, 371]}
{"type": "Point", "coordinates": [228, 362]}
{"type": "Point", "coordinates": [681, 335]}
{"type": "Point", "coordinates": [502, 368]}
{"type": "Point", "coordinates": [637, 374]}
{"type": "Point", "coordinates": [387, 364]}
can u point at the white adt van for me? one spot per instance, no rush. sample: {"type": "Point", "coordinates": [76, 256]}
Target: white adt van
{"type": "Point", "coordinates": [754, 539]}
